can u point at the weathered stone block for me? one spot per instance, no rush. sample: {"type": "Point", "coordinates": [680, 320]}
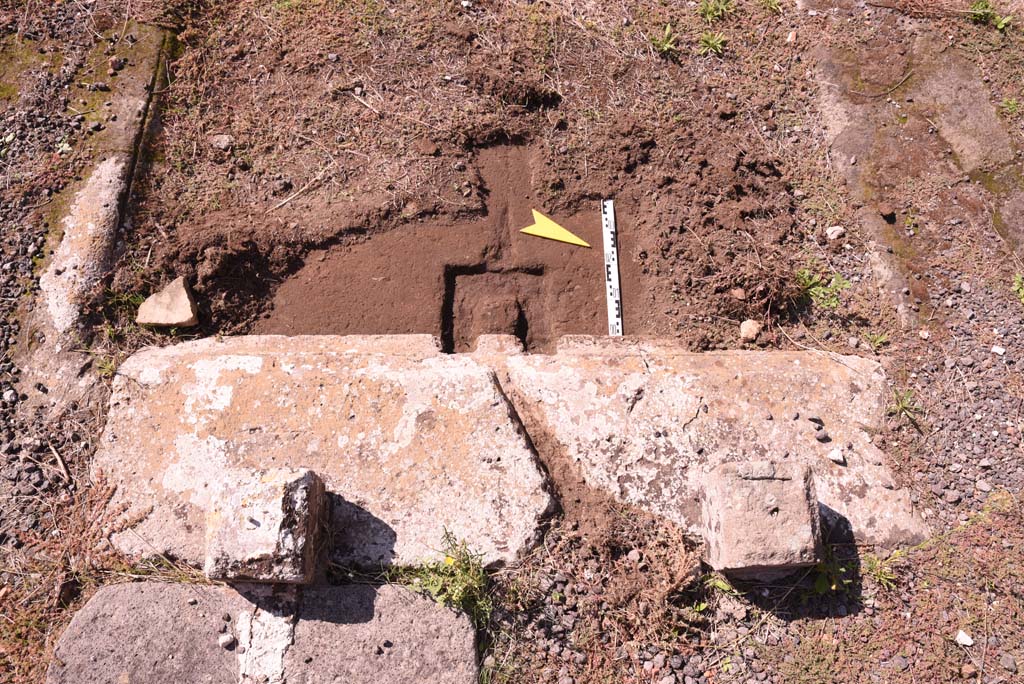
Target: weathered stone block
{"type": "Point", "coordinates": [645, 419]}
{"type": "Point", "coordinates": [409, 442]}
{"type": "Point", "coordinates": [266, 530]}
{"type": "Point", "coordinates": [159, 632]}
{"type": "Point", "coordinates": [760, 519]}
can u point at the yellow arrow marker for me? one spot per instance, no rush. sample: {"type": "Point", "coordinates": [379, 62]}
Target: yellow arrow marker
{"type": "Point", "coordinates": [546, 228]}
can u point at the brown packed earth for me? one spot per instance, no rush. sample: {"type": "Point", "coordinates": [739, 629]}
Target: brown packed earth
{"type": "Point", "coordinates": [456, 280]}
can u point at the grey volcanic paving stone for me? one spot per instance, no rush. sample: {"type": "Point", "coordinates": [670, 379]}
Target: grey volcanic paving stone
{"type": "Point", "coordinates": [409, 443]}
{"type": "Point", "coordinates": [366, 635]}
{"type": "Point", "coordinates": [646, 420]}
{"type": "Point", "coordinates": [149, 632]}
{"type": "Point", "coordinates": [159, 633]}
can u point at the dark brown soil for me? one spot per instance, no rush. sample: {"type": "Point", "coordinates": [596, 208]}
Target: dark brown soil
{"type": "Point", "coordinates": [457, 280]}
{"type": "Point", "coordinates": [342, 144]}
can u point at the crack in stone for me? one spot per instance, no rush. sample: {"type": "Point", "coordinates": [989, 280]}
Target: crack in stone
{"type": "Point", "coordinates": [696, 414]}
{"type": "Point", "coordinates": [265, 635]}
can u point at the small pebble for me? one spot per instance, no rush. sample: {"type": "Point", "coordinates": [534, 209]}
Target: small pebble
{"type": "Point", "coordinates": [749, 330]}
{"type": "Point", "coordinates": [835, 232]}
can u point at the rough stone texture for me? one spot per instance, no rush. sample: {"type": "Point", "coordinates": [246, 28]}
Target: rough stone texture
{"type": "Point", "coordinates": [760, 519]}
{"type": "Point", "coordinates": [83, 256]}
{"type": "Point", "coordinates": [172, 306]}
{"type": "Point", "coordinates": [749, 330]}
{"type": "Point", "coordinates": [388, 635]}
{"type": "Point", "coordinates": [266, 530]}
{"type": "Point", "coordinates": [149, 632]}
{"type": "Point", "coordinates": [962, 106]}
{"type": "Point", "coordinates": [89, 228]}
{"type": "Point", "coordinates": [154, 633]}
{"type": "Point", "coordinates": [645, 420]}
{"type": "Point", "coordinates": [944, 87]}
{"type": "Point", "coordinates": [409, 442]}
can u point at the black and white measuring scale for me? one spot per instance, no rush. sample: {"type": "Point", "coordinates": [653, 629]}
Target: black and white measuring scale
{"type": "Point", "coordinates": [613, 291]}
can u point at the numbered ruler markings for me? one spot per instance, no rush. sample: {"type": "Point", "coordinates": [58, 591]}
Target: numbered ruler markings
{"type": "Point", "coordinates": [611, 268]}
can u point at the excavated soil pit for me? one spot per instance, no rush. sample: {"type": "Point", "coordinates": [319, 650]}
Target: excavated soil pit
{"type": "Point", "coordinates": [457, 280]}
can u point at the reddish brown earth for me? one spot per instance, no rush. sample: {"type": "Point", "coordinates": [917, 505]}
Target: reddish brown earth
{"type": "Point", "coordinates": [351, 135]}
{"type": "Point", "coordinates": [461, 279]}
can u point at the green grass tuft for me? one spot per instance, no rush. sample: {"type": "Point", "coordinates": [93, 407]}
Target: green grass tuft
{"type": "Point", "coordinates": [904, 405]}
{"type": "Point", "coordinates": [458, 581]}
{"type": "Point", "coordinates": [1018, 287]}
{"type": "Point", "coordinates": [665, 43]}
{"type": "Point", "coordinates": [714, 10]}
{"type": "Point", "coordinates": [824, 294]}
{"type": "Point", "coordinates": [711, 44]}
{"type": "Point", "coordinates": [876, 340]}
{"type": "Point", "coordinates": [880, 571]}
{"type": "Point", "coordinates": [984, 13]}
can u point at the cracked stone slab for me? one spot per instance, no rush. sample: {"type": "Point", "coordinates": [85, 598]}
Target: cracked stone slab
{"type": "Point", "coordinates": [646, 421]}
{"type": "Point", "coordinates": [88, 216]}
{"type": "Point", "coordinates": [153, 633]}
{"type": "Point", "coordinates": [409, 443]}
{"type": "Point", "coordinates": [90, 225]}
{"type": "Point", "coordinates": [388, 633]}
{"type": "Point", "coordinates": [83, 255]}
